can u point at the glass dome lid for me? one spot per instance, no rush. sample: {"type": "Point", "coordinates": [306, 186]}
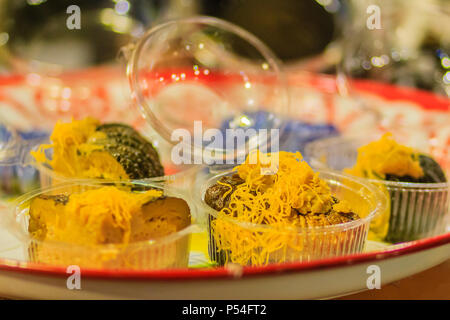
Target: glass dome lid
{"type": "Point", "coordinates": [210, 88]}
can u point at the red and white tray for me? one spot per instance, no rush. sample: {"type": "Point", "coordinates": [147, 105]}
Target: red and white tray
{"type": "Point", "coordinates": [396, 107]}
{"type": "Point", "coordinates": [318, 279]}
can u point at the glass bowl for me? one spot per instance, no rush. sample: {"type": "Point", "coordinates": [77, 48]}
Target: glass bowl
{"type": "Point", "coordinates": [262, 244]}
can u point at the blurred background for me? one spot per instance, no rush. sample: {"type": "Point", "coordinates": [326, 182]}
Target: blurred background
{"type": "Point", "coordinates": [410, 49]}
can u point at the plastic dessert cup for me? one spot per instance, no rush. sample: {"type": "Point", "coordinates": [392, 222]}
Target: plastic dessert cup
{"type": "Point", "coordinates": [417, 210]}
{"type": "Point", "coordinates": [258, 244]}
{"type": "Point", "coordinates": [171, 251]}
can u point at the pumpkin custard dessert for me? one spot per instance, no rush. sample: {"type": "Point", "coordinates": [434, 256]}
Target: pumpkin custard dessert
{"type": "Point", "coordinates": [386, 159]}
{"type": "Point", "coordinates": [88, 149]}
{"type": "Point", "coordinates": [108, 227]}
{"type": "Point", "coordinates": [293, 214]}
{"type": "Point", "coordinates": [415, 184]}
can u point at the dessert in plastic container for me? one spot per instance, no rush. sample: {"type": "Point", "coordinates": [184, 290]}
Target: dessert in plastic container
{"type": "Point", "coordinates": [16, 152]}
{"type": "Point", "coordinates": [89, 149]}
{"type": "Point", "coordinates": [168, 249]}
{"type": "Point", "coordinates": [416, 210]}
{"type": "Point", "coordinates": [259, 244]}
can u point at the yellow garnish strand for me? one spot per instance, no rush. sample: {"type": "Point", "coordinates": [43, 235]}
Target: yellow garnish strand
{"type": "Point", "coordinates": [386, 156]}
{"type": "Point", "coordinates": [295, 185]}
{"type": "Point", "coordinates": [89, 216]}
{"type": "Point", "coordinates": [228, 191]}
{"type": "Point", "coordinates": [75, 153]}
{"type": "Point", "coordinates": [268, 200]}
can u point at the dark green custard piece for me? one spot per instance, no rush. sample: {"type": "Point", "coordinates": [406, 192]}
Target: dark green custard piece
{"type": "Point", "coordinates": [135, 154]}
{"type": "Point", "coordinates": [407, 208]}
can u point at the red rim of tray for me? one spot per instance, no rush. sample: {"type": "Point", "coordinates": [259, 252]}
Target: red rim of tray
{"type": "Point", "coordinates": [224, 272]}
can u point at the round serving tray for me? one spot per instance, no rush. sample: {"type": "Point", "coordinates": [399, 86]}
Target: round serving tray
{"type": "Point", "coordinates": [317, 279]}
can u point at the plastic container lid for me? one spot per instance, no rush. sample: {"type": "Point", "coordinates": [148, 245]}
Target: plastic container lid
{"type": "Point", "coordinates": [190, 76]}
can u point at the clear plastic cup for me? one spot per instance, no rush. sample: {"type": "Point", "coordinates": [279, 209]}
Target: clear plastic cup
{"type": "Point", "coordinates": [262, 244]}
{"type": "Point", "coordinates": [171, 251]}
{"type": "Point", "coordinates": [417, 210]}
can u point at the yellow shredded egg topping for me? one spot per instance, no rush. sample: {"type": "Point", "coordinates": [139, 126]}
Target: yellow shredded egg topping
{"type": "Point", "coordinates": [75, 153]}
{"type": "Point", "coordinates": [386, 156]}
{"type": "Point", "coordinates": [268, 200]}
{"type": "Point", "coordinates": [92, 215]}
